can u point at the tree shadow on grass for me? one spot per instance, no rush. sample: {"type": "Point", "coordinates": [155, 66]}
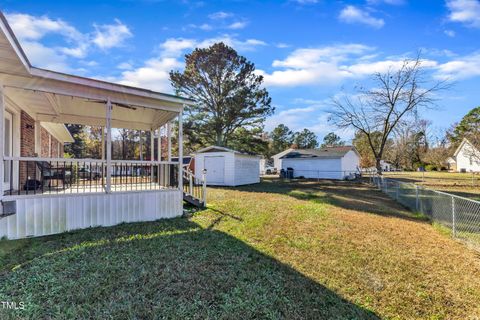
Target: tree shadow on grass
{"type": "Point", "coordinates": [165, 269]}
{"type": "Point", "coordinates": [351, 195]}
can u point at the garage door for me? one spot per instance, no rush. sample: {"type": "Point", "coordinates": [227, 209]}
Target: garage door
{"type": "Point", "coordinates": [215, 169]}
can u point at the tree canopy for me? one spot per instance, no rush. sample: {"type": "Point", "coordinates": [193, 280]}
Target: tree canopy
{"type": "Point", "coordinates": [229, 95]}
{"type": "Point", "coordinates": [468, 127]}
{"type": "Point", "coordinates": [332, 140]}
{"type": "Point", "coordinates": [305, 139]}
{"type": "Point", "coordinates": [395, 97]}
{"type": "Point", "coordinates": [281, 138]}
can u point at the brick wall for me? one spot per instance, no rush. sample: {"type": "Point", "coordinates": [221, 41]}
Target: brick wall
{"type": "Point", "coordinates": [44, 143]}
{"type": "Point", "coordinates": [27, 147]}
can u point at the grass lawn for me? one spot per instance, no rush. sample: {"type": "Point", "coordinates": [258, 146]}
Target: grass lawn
{"type": "Point", "coordinates": [273, 250]}
{"type": "Point", "coordinates": [462, 184]}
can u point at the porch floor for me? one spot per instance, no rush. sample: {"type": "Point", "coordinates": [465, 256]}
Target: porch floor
{"type": "Point", "coordinates": [90, 188]}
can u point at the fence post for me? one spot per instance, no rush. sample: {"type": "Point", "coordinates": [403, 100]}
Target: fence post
{"type": "Point", "coordinates": [453, 217]}
{"type": "Point", "coordinates": [416, 199]}
{"type": "Point", "coordinates": [204, 187]}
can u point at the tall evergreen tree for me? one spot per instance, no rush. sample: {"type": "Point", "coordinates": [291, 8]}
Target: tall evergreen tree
{"type": "Point", "coordinates": [228, 93]}
{"type": "Point", "coordinates": [305, 139]}
{"type": "Point", "coordinates": [281, 138]}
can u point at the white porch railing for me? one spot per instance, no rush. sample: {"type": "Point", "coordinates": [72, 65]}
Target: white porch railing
{"type": "Point", "coordinates": [30, 175]}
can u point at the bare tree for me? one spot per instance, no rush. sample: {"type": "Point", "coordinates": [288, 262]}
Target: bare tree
{"type": "Point", "coordinates": [397, 94]}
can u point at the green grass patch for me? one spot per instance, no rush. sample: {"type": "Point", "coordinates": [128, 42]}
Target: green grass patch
{"type": "Point", "coordinates": [276, 250]}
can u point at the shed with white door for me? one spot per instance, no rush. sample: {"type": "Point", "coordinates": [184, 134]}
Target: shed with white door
{"type": "Point", "coordinates": [227, 167]}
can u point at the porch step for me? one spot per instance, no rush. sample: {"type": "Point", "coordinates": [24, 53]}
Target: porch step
{"type": "Point", "coordinates": [193, 201]}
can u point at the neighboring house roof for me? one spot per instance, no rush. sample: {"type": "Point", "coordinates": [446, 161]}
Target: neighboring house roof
{"type": "Point", "coordinates": [59, 131]}
{"type": "Point", "coordinates": [323, 153]}
{"type": "Point", "coordinates": [223, 149]}
{"type": "Point", "coordinates": [281, 154]}
{"type": "Point", "coordinates": [463, 143]}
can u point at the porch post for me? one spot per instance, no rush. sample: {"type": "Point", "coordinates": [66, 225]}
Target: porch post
{"type": "Point", "coordinates": [141, 145]}
{"type": "Point", "coordinates": [103, 142]}
{"type": "Point", "coordinates": [38, 140]}
{"type": "Point", "coordinates": [169, 140]}
{"type": "Point", "coordinates": [159, 145]}
{"type": "Point", "coordinates": [159, 156]}
{"type": "Point", "coordinates": [2, 144]}
{"type": "Point", "coordinates": [152, 153]}
{"type": "Point", "coordinates": [108, 187]}
{"type": "Point", "coordinates": [180, 151]}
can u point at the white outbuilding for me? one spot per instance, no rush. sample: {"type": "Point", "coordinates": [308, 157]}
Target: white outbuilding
{"type": "Point", "coordinates": [325, 163]}
{"type": "Point", "coordinates": [226, 167]}
{"type": "Point", "coordinates": [467, 157]}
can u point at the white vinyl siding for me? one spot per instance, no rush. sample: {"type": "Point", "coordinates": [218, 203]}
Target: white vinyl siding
{"type": "Point", "coordinates": [246, 169]}
{"type": "Point", "coordinates": [314, 168]}
{"type": "Point", "coordinates": [45, 215]}
{"type": "Point", "coordinates": [323, 168]}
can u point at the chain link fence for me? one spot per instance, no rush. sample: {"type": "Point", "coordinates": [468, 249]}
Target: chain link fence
{"type": "Point", "coordinates": [460, 215]}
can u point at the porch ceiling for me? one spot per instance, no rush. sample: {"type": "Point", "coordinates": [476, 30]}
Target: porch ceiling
{"type": "Point", "coordinates": [51, 107]}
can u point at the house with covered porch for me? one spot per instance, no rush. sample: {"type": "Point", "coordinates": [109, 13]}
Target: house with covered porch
{"type": "Point", "coordinates": [44, 193]}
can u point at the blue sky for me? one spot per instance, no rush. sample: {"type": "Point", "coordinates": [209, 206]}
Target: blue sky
{"type": "Point", "coordinates": [308, 50]}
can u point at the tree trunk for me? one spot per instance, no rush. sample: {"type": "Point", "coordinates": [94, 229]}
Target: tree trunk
{"type": "Point", "coordinates": [219, 139]}
{"type": "Point", "coordinates": [378, 166]}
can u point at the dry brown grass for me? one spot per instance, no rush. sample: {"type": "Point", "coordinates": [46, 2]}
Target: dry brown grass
{"type": "Point", "coordinates": [462, 184]}
{"type": "Point", "coordinates": [356, 242]}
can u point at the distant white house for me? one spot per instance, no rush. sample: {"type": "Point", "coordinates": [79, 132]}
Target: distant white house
{"type": "Point", "coordinates": [227, 167]}
{"type": "Point", "coordinates": [277, 161]}
{"type": "Point", "coordinates": [325, 163]}
{"type": "Point", "coordinates": [467, 157]}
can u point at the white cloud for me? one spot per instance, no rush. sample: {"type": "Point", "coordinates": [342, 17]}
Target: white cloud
{"type": "Point", "coordinates": [450, 33]}
{"type": "Point", "coordinates": [238, 25]}
{"type": "Point", "coordinates": [220, 15]}
{"type": "Point", "coordinates": [45, 57]}
{"type": "Point", "coordinates": [154, 74]}
{"type": "Point", "coordinates": [465, 11]}
{"type": "Point", "coordinates": [331, 65]}
{"type": "Point", "coordinates": [391, 2]}
{"type": "Point", "coordinates": [282, 45]}
{"type": "Point", "coordinates": [33, 29]}
{"type": "Point", "coordinates": [460, 68]}
{"type": "Point", "coordinates": [306, 1]}
{"type": "Point", "coordinates": [352, 14]}
{"type": "Point", "coordinates": [314, 65]}
{"type": "Point", "coordinates": [111, 35]}
{"type": "Point", "coordinates": [125, 66]}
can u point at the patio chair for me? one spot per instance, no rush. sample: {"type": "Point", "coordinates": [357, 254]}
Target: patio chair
{"type": "Point", "coordinates": [49, 173]}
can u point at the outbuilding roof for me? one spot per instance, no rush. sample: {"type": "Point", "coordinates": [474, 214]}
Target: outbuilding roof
{"type": "Point", "coordinates": [327, 152]}
{"type": "Point", "coordinates": [223, 149]}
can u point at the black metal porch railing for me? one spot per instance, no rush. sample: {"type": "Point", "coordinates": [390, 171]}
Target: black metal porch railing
{"type": "Point", "coordinates": [29, 176]}
{"type": "Point", "coordinates": [194, 188]}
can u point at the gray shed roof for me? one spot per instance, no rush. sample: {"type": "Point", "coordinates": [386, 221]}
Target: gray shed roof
{"type": "Point", "coordinates": [328, 152]}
